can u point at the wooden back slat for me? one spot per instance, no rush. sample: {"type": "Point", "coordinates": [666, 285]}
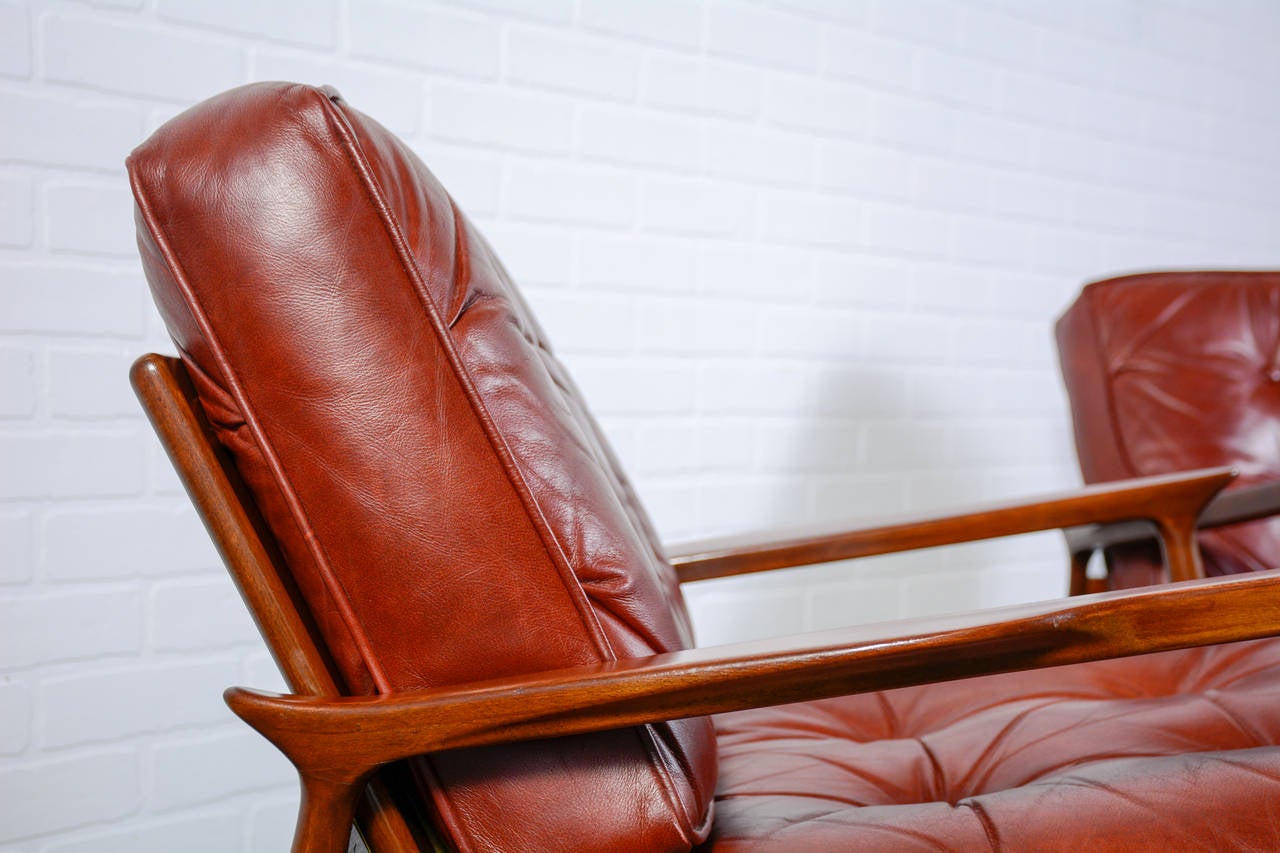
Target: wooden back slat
{"type": "Point", "coordinates": [255, 564]}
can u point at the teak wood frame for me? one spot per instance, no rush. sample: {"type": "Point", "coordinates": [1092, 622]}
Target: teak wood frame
{"type": "Point", "coordinates": [339, 743]}
{"type": "Point", "coordinates": [1234, 507]}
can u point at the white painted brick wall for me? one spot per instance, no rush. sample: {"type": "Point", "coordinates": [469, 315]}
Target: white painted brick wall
{"type": "Point", "coordinates": [803, 256]}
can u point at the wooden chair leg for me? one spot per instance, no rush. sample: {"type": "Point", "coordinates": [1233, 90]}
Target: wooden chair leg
{"type": "Point", "coordinates": [1178, 542]}
{"type": "Point", "coordinates": [1079, 582]}
{"type": "Point", "coordinates": [326, 814]}
{"type": "Point", "coordinates": [384, 828]}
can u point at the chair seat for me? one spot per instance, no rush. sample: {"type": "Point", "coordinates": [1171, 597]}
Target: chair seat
{"type": "Point", "coordinates": [1013, 762]}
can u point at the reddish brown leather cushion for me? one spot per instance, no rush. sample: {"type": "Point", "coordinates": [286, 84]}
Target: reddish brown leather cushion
{"type": "Point", "coordinates": [1175, 371]}
{"type": "Point", "coordinates": [448, 507]}
{"type": "Point", "coordinates": [1174, 751]}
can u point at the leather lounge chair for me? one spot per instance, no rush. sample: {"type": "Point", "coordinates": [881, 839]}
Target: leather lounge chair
{"type": "Point", "coordinates": [486, 642]}
{"type": "Point", "coordinates": [1173, 371]}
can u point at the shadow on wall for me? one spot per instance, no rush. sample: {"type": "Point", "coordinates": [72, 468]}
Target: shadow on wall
{"type": "Point", "coordinates": [865, 447]}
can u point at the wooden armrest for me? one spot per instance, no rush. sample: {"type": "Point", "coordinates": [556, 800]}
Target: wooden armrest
{"type": "Point", "coordinates": [1171, 502]}
{"type": "Point", "coordinates": [337, 743]}
{"type": "Point", "coordinates": [1246, 503]}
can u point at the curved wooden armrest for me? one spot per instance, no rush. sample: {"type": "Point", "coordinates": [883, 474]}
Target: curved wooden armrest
{"type": "Point", "coordinates": [1246, 503]}
{"type": "Point", "coordinates": [1171, 502]}
{"type": "Point", "coordinates": [337, 743]}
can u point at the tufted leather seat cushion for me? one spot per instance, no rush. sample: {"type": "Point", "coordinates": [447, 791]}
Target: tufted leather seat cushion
{"type": "Point", "coordinates": [448, 508]}
{"type": "Point", "coordinates": [1171, 372]}
{"type": "Point", "coordinates": [1163, 752]}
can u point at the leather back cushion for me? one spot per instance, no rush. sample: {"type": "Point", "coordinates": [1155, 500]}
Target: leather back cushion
{"type": "Point", "coordinates": [449, 508]}
{"type": "Point", "coordinates": [1175, 371]}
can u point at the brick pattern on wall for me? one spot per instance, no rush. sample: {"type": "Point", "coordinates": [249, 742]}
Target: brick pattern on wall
{"type": "Point", "coordinates": [803, 257]}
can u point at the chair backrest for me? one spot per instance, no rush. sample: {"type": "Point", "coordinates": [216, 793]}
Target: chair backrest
{"type": "Point", "coordinates": [445, 505]}
{"type": "Point", "coordinates": [1174, 371]}
{"type": "Point", "coordinates": [253, 558]}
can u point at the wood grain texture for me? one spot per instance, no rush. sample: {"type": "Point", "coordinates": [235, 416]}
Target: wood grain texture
{"type": "Point", "coordinates": [339, 743]}
{"type": "Point", "coordinates": [167, 396]}
{"type": "Point", "coordinates": [1171, 502]}
{"type": "Point", "coordinates": [1246, 503]}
